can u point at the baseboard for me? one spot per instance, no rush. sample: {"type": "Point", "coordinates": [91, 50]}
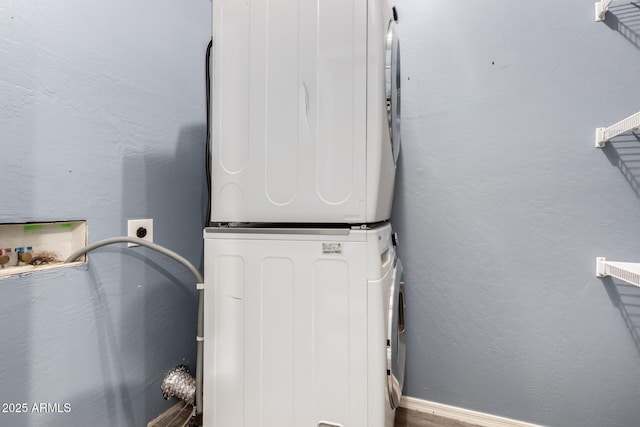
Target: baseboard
{"type": "Point", "coordinates": [460, 414]}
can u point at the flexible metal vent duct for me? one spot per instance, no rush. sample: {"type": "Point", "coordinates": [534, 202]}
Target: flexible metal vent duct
{"type": "Point", "coordinates": [179, 383]}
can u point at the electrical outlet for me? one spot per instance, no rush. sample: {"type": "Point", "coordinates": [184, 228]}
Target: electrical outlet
{"type": "Point", "coordinates": [140, 228]}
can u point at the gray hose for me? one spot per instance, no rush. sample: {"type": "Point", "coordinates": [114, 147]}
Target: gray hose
{"type": "Point", "coordinates": [190, 267]}
{"type": "Point", "coordinates": [182, 260]}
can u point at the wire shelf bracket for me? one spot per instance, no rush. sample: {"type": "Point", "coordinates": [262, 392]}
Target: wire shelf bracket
{"type": "Point", "coordinates": [631, 123]}
{"type": "Point", "coordinates": [601, 9]}
{"type": "Point", "coordinates": [628, 272]}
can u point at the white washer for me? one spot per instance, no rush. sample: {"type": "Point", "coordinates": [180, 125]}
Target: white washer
{"type": "Point", "coordinates": [305, 111]}
{"type": "Point", "coordinates": [303, 328]}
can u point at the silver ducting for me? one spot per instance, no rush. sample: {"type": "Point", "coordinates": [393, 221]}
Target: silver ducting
{"type": "Point", "coordinates": [179, 383]}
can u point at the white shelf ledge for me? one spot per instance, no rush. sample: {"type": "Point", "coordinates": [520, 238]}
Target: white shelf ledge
{"type": "Point", "coordinates": [626, 271]}
{"type": "Point", "coordinates": [631, 123]}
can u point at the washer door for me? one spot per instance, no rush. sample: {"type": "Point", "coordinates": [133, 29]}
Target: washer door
{"type": "Point", "coordinates": [396, 346]}
{"type": "Point", "coordinates": [392, 80]}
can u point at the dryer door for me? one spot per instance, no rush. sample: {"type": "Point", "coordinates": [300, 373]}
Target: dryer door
{"type": "Point", "coordinates": [392, 77]}
{"type": "Point", "coordinates": [396, 346]}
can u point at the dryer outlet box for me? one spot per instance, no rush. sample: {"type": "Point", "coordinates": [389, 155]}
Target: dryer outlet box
{"type": "Point", "coordinates": [141, 229]}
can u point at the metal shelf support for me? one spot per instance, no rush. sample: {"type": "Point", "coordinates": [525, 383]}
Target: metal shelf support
{"type": "Point", "coordinates": [631, 123]}
{"type": "Point", "coordinates": [601, 9]}
{"type": "Point", "coordinates": [628, 272]}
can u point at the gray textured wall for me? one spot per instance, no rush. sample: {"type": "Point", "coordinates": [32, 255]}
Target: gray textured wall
{"type": "Point", "coordinates": [503, 203]}
{"type": "Point", "coordinates": [101, 118]}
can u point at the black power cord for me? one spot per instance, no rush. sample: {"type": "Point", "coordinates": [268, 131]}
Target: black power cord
{"type": "Point", "coordinates": [207, 152]}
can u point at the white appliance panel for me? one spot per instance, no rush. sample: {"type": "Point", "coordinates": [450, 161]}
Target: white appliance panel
{"type": "Point", "coordinates": [300, 130]}
{"type": "Point", "coordinates": [296, 327]}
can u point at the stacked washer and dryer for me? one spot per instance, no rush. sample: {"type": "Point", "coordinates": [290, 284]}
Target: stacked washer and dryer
{"type": "Point", "coordinates": [304, 298]}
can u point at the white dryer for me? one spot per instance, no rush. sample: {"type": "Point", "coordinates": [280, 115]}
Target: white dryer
{"type": "Point", "coordinates": [303, 328]}
{"type": "Point", "coordinates": [305, 111]}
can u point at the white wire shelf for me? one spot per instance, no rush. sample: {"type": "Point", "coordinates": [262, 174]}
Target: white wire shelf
{"type": "Point", "coordinates": [628, 272]}
{"type": "Point", "coordinates": [602, 7]}
{"type": "Point", "coordinates": [631, 123]}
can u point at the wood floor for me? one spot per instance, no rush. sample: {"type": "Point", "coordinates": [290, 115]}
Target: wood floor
{"type": "Point", "coordinates": [409, 418]}
{"type": "Point", "coordinates": [178, 415]}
